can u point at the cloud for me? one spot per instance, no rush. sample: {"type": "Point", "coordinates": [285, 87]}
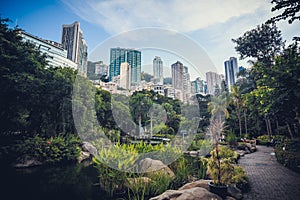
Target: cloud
{"type": "Point", "coordinates": [185, 16]}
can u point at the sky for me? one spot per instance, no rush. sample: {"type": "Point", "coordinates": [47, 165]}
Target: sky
{"type": "Point", "coordinates": [197, 33]}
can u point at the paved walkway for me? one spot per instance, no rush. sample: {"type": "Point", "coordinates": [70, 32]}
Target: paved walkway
{"type": "Point", "coordinates": [269, 179]}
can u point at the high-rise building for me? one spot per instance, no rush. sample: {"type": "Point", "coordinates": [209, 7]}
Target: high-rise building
{"type": "Point", "coordinates": [56, 54]}
{"type": "Point", "coordinates": [199, 86]}
{"type": "Point", "coordinates": [231, 70]}
{"type": "Point", "coordinates": [158, 70]}
{"type": "Point", "coordinates": [72, 40]}
{"type": "Point", "coordinates": [101, 68]}
{"type": "Point", "coordinates": [132, 57]}
{"type": "Point", "coordinates": [177, 75]}
{"type": "Point", "coordinates": [125, 80]}
{"type": "Point", "coordinates": [186, 85]}
{"type": "Point", "coordinates": [214, 81]}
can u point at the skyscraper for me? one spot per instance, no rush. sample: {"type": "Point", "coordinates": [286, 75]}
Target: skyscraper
{"type": "Point", "coordinates": [72, 40]}
{"type": "Point", "coordinates": [56, 55]}
{"type": "Point", "coordinates": [132, 57]}
{"type": "Point", "coordinates": [214, 81]}
{"type": "Point", "coordinates": [177, 75]}
{"type": "Point", "coordinates": [158, 70]}
{"type": "Point", "coordinates": [125, 80]}
{"type": "Point", "coordinates": [186, 85]}
{"type": "Point", "coordinates": [199, 86]}
{"type": "Point", "coordinates": [231, 70]}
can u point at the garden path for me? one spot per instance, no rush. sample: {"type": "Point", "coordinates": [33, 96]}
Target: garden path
{"type": "Point", "coordinates": [269, 179]}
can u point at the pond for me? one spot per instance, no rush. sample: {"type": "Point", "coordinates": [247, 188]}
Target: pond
{"type": "Point", "coordinates": [76, 182]}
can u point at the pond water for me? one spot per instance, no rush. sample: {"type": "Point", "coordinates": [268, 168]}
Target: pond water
{"type": "Point", "coordinates": [76, 182]}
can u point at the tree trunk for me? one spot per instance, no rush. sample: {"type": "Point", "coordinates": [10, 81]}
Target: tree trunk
{"type": "Point", "coordinates": [270, 127]}
{"type": "Point", "coordinates": [240, 123]}
{"type": "Point", "coordinates": [289, 129]}
{"type": "Point", "coordinates": [277, 127]}
{"type": "Point", "coordinates": [268, 131]}
{"type": "Point", "coordinates": [245, 118]}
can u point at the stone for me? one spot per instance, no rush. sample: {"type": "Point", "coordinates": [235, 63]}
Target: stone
{"type": "Point", "coordinates": [241, 152]}
{"type": "Point", "coordinates": [230, 198]}
{"type": "Point", "coordinates": [200, 183]}
{"type": "Point", "coordinates": [27, 163]}
{"type": "Point", "coordinates": [193, 153]}
{"type": "Point", "coordinates": [155, 166]}
{"type": "Point", "coordinates": [86, 146]}
{"type": "Point", "coordinates": [196, 193]}
{"type": "Point", "coordinates": [234, 192]}
{"type": "Point", "coordinates": [84, 155]}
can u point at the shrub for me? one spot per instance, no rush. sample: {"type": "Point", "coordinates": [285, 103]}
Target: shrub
{"type": "Point", "coordinates": [240, 178]}
{"type": "Point", "coordinates": [263, 140]}
{"type": "Point", "coordinates": [231, 139]}
{"type": "Point", "coordinates": [290, 156]}
{"type": "Point", "coordinates": [61, 148]}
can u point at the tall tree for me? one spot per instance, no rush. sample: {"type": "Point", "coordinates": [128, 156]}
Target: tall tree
{"type": "Point", "coordinates": [290, 9]}
{"type": "Point", "coordinates": [237, 100]}
{"type": "Point", "coordinates": [261, 43]}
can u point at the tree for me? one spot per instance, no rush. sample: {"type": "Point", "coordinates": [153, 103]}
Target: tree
{"type": "Point", "coordinates": [139, 106]}
{"type": "Point", "coordinates": [237, 100]}
{"type": "Point", "coordinates": [291, 9]}
{"type": "Point", "coordinates": [261, 43]}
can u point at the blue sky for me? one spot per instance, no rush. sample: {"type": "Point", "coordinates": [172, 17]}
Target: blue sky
{"type": "Point", "coordinates": [210, 24]}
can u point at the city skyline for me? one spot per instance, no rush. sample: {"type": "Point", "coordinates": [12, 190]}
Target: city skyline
{"type": "Point", "coordinates": [212, 30]}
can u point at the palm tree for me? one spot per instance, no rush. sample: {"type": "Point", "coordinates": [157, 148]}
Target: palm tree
{"type": "Point", "coordinates": [235, 93]}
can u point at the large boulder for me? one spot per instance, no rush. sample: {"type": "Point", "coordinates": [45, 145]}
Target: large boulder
{"type": "Point", "coordinates": [196, 193]}
{"type": "Point", "coordinates": [155, 166]}
{"type": "Point", "coordinates": [88, 147]}
{"type": "Point", "coordinates": [200, 183]}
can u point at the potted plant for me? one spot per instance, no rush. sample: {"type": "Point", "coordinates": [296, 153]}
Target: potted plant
{"type": "Point", "coordinates": [221, 170]}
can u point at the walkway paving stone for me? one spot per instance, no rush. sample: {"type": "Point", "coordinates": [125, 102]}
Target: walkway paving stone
{"type": "Point", "coordinates": [269, 179]}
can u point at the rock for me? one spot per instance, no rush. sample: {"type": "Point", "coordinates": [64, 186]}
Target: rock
{"type": "Point", "coordinates": [83, 156]}
{"type": "Point", "coordinates": [196, 193]}
{"type": "Point", "coordinates": [155, 166]}
{"type": "Point", "coordinates": [200, 183]}
{"type": "Point", "coordinates": [88, 147]}
{"type": "Point", "coordinates": [230, 198]}
{"type": "Point", "coordinates": [27, 163]}
{"type": "Point", "coordinates": [241, 152]}
{"type": "Point", "coordinates": [193, 153]}
{"type": "Point", "coordinates": [234, 192]}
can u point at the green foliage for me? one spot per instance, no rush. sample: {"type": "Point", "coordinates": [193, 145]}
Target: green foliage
{"type": "Point", "coordinates": [227, 158]}
{"type": "Point", "coordinates": [291, 8]}
{"type": "Point", "coordinates": [35, 99]}
{"type": "Point", "coordinates": [61, 148]}
{"type": "Point", "coordinates": [263, 139]}
{"type": "Point", "coordinates": [262, 43]}
{"type": "Point", "coordinates": [240, 178]}
{"type": "Point", "coordinates": [288, 153]}
{"type": "Point", "coordinates": [231, 138]}
{"type": "Point", "coordinates": [116, 165]}
{"type": "Point", "coordinates": [204, 146]}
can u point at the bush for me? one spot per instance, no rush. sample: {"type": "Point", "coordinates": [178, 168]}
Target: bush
{"type": "Point", "coordinates": [61, 148]}
{"type": "Point", "coordinates": [288, 153]}
{"type": "Point", "coordinates": [240, 178]}
{"type": "Point", "coordinates": [263, 140]}
{"type": "Point", "coordinates": [231, 139]}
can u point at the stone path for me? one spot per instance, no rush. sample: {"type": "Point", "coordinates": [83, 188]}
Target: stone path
{"type": "Point", "coordinates": [269, 179]}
